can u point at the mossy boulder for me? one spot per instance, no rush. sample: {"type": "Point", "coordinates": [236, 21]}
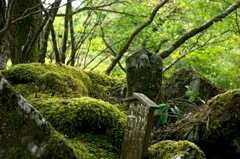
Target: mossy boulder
{"type": "Point", "coordinates": [24, 133]}
{"type": "Point", "coordinates": [215, 128]}
{"type": "Point", "coordinates": [63, 81]}
{"type": "Point", "coordinates": [169, 149]}
{"type": "Point", "coordinates": [175, 86]}
{"type": "Point", "coordinates": [105, 87]}
{"type": "Point", "coordinates": [85, 114]}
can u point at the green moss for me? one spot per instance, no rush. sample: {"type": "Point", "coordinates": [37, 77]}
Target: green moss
{"type": "Point", "coordinates": [168, 149]}
{"type": "Point", "coordinates": [63, 81]}
{"type": "Point", "coordinates": [26, 89]}
{"type": "Point", "coordinates": [77, 115]}
{"type": "Point", "coordinates": [105, 87]}
{"type": "Point", "coordinates": [224, 116]}
{"type": "Point", "coordinates": [96, 145]}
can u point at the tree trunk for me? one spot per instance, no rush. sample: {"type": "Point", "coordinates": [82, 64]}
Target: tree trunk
{"type": "Point", "coordinates": [22, 31]}
{"type": "Point", "coordinates": [3, 44]}
{"type": "Point", "coordinates": [52, 15]}
{"type": "Point", "coordinates": [65, 36]}
{"type": "Point", "coordinates": [72, 58]}
{"type": "Point", "coordinates": [55, 48]}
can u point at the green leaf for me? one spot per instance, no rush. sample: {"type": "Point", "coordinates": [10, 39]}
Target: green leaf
{"type": "Point", "coordinates": [177, 111]}
{"type": "Point", "coordinates": [162, 107]}
{"type": "Point", "coordinates": [189, 93]}
{"type": "Point", "coordinates": [191, 99]}
{"type": "Point", "coordinates": [164, 117]}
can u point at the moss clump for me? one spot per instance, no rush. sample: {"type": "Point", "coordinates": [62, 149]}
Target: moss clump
{"type": "Point", "coordinates": [172, 149]}
{"type": "Point", "coordinates": [48, 78]}
{"type": "Point", "coordinates": [85, 114]}
{"type": "Point", "coordinates": [105, 87]}
{"type": "Point", "coordinates": [96, 145]}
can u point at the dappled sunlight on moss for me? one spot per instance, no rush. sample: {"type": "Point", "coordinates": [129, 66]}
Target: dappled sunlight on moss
{"type": "Point", "coordinates": [60, 94]}
{"type": "Point", "coordinates": [169, 149]}
{"type": "Point", "coordinates": [85, 114]}
{"type": "Point", "coordinates": [63, 81]}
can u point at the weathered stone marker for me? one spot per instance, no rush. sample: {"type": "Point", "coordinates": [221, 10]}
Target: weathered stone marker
{"type": "Point", "coordinates": [139, 125]}
{"type": "Point", "coordinates": [144, 74]}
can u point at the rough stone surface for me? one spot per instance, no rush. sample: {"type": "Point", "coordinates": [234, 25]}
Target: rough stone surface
{"type": "Point", "coordinates": [144, 74]}
{"type": "Point", "coordinates": [24, 133]}
{"type": "Point", "coordinates": [175, 86]}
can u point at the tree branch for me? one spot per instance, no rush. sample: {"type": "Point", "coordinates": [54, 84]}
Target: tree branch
{"type": "Point", "coordinates": [9, 19]}
{"type": "Point", "coordinates": [110, 48]}
{"type": "Point", "coordinates": [192, 49]}
{"type": "Point", "coordinates": [132, 36]}
{"type": "Point", "coordinates": [197, 30]}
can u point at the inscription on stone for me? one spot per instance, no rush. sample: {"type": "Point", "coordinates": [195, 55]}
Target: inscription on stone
{"type": "Point", "coordinates": [138, 128]}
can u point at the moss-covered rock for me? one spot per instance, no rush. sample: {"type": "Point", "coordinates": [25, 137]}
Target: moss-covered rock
{"type": "Point", "coordinates": [96, 145]}
{"type": "Point", "coordinates": [175, 86]}
{"type": "Point", "coordinates": [169, 149]}
{"type": "Point", "coordinates": [105, 87]}
{"type": "Point", "coordinates": [215, 128]}
{"type": "Point", "coordinates": [63, 81]}
{"type": "Point", "coordinates": [24, 133]}
{"type": "Point", "coordinates": [84, 114]}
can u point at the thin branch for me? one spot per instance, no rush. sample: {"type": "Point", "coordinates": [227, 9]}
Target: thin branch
{"type": "Point", "coordinates": [197, 30]}
{"type": "Point", "coordinates": [111, 49]}
{"type": "Point", "coordinates": [133, 35]}
{"type": "Point", "coordinates": [103, 52]}
{"type": "Point", "coordinates": [9, 19]}
{"type": "Point", "coordinates": [191, 50]}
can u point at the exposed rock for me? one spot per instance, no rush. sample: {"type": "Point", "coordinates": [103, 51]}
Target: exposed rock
{"type": "Point", "coordinates": [24, 133]}
{"type": "Point", "coordinates": [175, 86]}
{"type": "Point", "coordinates": [169, 149]}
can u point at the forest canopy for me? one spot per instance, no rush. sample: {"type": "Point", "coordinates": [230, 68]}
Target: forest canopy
{"type": "Point", "coordinates": [102, 34]}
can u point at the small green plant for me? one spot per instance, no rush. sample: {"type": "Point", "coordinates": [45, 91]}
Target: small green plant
{"type": "Point", "coordinates": [191, 93]}
{"type": "Point", "coordinates": [163, 112]}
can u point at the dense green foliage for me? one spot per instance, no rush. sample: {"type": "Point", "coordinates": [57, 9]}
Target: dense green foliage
{"type": "Point", "coordinates": [214, 52]}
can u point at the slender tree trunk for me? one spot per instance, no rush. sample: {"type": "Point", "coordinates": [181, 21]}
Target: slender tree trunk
{"type": "Point", "coordinates": [23, 30]}
{"type": "Point", "coordinates": [73, 54]}
{"type": "Point", "coordinates": [65, 36]}
{"type": "Point", "coordinates": [55, 48]}
{"type": "Point", "coordinates": [52, 15]}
